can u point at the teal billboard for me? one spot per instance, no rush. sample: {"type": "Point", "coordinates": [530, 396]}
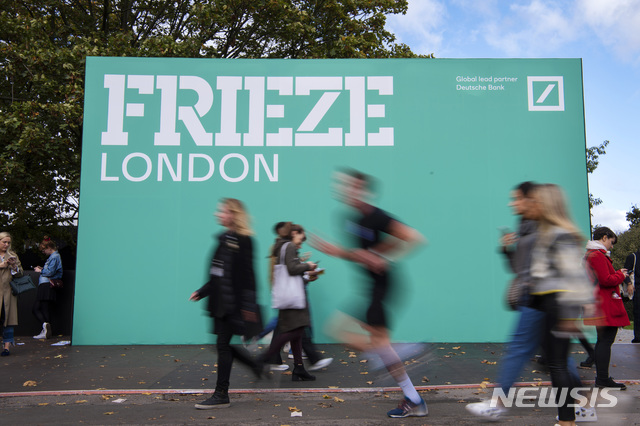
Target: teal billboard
{"type": "Point", "coordinates": [165, 139]}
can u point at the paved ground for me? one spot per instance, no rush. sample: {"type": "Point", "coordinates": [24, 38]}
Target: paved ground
{"type": "Point", "coordinates": [44, 384]}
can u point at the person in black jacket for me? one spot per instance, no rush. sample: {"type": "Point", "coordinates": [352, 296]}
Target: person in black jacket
{"type": "Point", "coordinates": [632, 264]}
{"type": "Point", "coordinates": [232, 295]}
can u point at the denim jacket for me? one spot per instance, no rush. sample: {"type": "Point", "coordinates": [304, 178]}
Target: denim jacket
{"type": "Point", "coordinates": [52, 269]}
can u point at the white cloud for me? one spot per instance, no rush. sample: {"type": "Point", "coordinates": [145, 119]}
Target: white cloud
{"type": "Point", "coordinates": [616, 23]}
{"type": "Point", "coordinates": [537, 28]}
{"type": "Point", "coordinates": [420, 27]}
{"type": "Point", "coordinates": [614, 219]}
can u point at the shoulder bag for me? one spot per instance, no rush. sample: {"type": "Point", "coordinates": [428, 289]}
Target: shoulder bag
{"type": "Point", "coordinates": [21, 285]}
{"type": "Point", "coordinates": [288, 290]}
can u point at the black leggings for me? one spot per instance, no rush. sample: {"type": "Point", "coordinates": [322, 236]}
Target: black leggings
{"type": "Point", "coordinates": [293, 336]}
{"type": "Point", "coordinates": [606, 337]}
{"type": "Point", "coordinates": [41, 310]}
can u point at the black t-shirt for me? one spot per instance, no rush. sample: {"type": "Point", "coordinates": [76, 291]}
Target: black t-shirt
{"type": "Point", "coordinates": [368, 229]}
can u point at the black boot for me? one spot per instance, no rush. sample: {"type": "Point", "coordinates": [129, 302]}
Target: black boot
{"type": "Point", "coordinates": [588, 363]}
{"type": "Point", "coordinates": [299, 374]}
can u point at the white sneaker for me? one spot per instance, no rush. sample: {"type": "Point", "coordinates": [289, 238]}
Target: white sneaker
{"type": "Point", "coordinates": [42, 335]}
{"type": "Point", "coordinates": [278, 367]}
{"type": "Point", "coordinates": [321, 364]}
{"type": "Point", "coordinates": [484, 409]}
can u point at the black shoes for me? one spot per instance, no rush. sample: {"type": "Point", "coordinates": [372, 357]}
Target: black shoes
{"type": "Point", "coordinates": [299, 374]}
{"type": "Point", "coordinates": [217, 400]}
{"type": "Point", "coordinates": [609, 383]}
{"type": "Point", "coordinates": [588, 363]}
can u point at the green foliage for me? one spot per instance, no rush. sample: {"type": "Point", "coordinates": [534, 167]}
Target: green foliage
{"type": "Point", "coordinates": [593, 155]}
{"type": "Point", "coordinates": [628, 242]}
{"type": "Point", "coordinates": [44, 43]}
{"type": "Point", "coordinates": [633, 216]}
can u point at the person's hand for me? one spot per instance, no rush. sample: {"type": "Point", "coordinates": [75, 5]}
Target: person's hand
{"type": "Point", "coordinates": [312, 265]}
{"type": "Point", "coordinates": [324, 246]}
{"type": "Point", "coordinates": [38, 269]}
{"type": "Point", "coordinates": [195, 296]}
{"type": "Point", "coordinates": [509, 239]}
{"type": "Point", "coordinates": [12, 261]}
{"type": "Point", "coordinates": [311, 278]}
{"type": "Point", "coordinates": [249, 316]}
{"type": "Point", "coordinates": [305, 256]}
{"type": "Point", "coordinates": [625, 272]}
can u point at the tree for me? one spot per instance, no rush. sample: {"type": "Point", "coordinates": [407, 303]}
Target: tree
{"type": "Point", "coordinates": [44, 43]}
{"type": "Point", "coordinates": [593, 155]}
{"type": "Point", "coordinates": [633, 216]}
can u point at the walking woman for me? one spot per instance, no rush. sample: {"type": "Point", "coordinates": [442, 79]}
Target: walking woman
{"type": "Point", "coordinates": [232, 295]}
{"type": "Point", "coordinates": [560, 288]}
{"type": "Point", "coordinates": [10, 268]}
{"type": "Point", "coordinates": [292, 322]}
{"type": "Point", "coordinates": [46, 295]}
{"type": "Point", "coordinates": [611, 313]}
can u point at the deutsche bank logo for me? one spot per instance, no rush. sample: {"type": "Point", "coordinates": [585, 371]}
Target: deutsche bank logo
{"type": "Point", "coordinates": [545, 93]}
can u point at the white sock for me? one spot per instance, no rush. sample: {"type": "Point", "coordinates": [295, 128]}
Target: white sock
{"type": "Point", "coordinates": [409, 390]}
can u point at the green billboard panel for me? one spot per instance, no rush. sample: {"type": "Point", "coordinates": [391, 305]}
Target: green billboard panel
{"type": "Point", "coordinates": [165, 139]}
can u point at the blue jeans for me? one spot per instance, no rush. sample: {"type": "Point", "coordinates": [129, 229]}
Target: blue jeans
{"type": "Point", "coordinates": [7, 334]}
{"type": "Point", "coordinates": [526, 338]}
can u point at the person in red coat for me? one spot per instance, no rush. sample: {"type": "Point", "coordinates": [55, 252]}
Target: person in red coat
{"type": "Point", "coordinates": [611, 313]}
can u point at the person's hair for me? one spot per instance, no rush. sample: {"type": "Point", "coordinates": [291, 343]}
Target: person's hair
{"type": "Point", "coordinates": [10, 251]}
{"type": "Point", "coordinates": [48, 243]}
{"type": "Point", "coordinates": [526, 188]}
{"type": "Point", "coordinates": [241, 223]}
{"type": "Point", "coordinates": [601, 232]}
{"type": "Point", "coordinates": [298, 228]}
{"type": "Point", "coordinates": [367, 180]}
{"type": "Point", "coordinates": [283, 230]}
{"type": "Point", "coordinates": [553, 210]}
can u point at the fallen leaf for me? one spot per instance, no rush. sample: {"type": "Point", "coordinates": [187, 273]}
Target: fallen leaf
{"type": "Point", "coordinates": [205, 365]}
{"type": "Point", "coordinates": [294, 409]}
{"type": "Point", "coordinates": [456, 347]}
{"type": "Point", "coordinates": [336, 399]}
{"type": "Point", "coordinates": [176, 360]}
{"type": "Point", "coordinates": [364, 372]}
{"type": "Point", "coordinates": [43, 403]}
{"type": "Point", "coordinates": [425, 379]}
{"type": "Point", "coordinates": [332, 387]}
{"type": "Point", "coordinates": [30, 383]}
{"type": "Point", "coordinates": [147, 393]}
{"type": "Point", "coordinates": [369, 383]}
{"type": "Point", "coordinates": [109, 413]}
{"type": "Point", "coordinates": [325, 405]}
{"type": "Point", "coordinates": [142, 383]}
{"type": "Point", "coordinates": [211, 417]}
{"type": "Point", "coordinates": [326, 396]}
{"type": "Point", "coordinates": [58, 356]}
{"type": "Point", "coordinates": [364, 361]}
{"type": "Point", "coordinates": [81, 401]}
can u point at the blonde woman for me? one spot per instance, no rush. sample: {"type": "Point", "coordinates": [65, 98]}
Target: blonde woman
{"type": "Point", "coordinates": [232, 295]}
{"type": "Point", "coordinates": [560, 286]}
{"type": "Point", "coordinates": [10, 268]}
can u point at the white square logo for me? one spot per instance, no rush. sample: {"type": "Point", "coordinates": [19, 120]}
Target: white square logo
{"type": "Point", "coordinates": [545, 93]}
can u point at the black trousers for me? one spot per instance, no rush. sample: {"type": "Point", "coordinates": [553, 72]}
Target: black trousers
{"type": "Point", "coordinates": [227, 354]}
{"type": "Point", "coordinates": [557, 352]}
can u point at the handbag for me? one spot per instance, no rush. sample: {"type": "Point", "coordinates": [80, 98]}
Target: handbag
{"type": "Point", "coordinates": [21, 285]}
{"type": "Point", "coordinates": [288, 290]}
{"type": "Point", "coordinates": [55, 283]}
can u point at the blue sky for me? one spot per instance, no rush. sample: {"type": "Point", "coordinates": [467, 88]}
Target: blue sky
{"type": "Point", "coordinates": [604, 33]}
